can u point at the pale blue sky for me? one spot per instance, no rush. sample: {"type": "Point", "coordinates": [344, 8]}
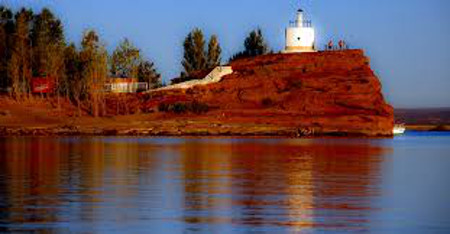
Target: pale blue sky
{"type": "Point", "coordinates": [408, 41]}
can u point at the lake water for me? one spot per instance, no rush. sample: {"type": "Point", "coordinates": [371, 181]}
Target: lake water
{"type": "Point", "coordinates": [158, 185]}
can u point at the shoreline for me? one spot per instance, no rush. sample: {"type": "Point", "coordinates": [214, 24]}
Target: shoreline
{"type": "Point", "coordinates": [212, 133]}
{"type": "Point", "coordinates": [255, 131]}
{"type": "Point", "coordinates": [195, 129]}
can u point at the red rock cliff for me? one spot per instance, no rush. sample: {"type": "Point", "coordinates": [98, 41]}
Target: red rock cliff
{"type": "Point", "coordinates": [327, 93]}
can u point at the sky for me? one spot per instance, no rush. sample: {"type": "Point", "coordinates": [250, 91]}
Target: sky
{"type": "Point", "coordinates": [408, 41]}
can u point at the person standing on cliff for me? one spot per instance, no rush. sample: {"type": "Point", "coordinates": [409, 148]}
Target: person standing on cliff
{"type": "Point", "coordinates": [341, 45]}
{"type": "Point", "coordinates": [330, 45]}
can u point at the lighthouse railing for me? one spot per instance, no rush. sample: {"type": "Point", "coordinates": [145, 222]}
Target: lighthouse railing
{"type": "Point", "coordinates": [304, 24]}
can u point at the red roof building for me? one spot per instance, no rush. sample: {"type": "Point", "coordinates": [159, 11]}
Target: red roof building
{"type": "Point", "coordinates": [42, 85]}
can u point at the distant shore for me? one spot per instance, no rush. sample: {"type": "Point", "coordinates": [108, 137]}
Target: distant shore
{"type": "Point", "coordinates": [424, 119]}
{"type": "Point", "coordinates": [429, 128]}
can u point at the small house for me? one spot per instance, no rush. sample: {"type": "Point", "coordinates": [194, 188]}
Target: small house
{"type": "Point", "coordinates": [125, 85]}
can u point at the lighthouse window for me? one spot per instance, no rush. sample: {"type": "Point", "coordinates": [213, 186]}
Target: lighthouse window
{"type": "Point", "coordinates": [298, 38]}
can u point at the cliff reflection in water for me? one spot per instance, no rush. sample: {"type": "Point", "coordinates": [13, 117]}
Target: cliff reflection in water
{"type": "Point", "coordinates": [102, 184]}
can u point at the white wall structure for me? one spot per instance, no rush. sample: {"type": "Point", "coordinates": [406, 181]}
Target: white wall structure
{"type": "Point", "coordinates": [213, 77]}
{"type": "Point", "coordinates": [300, 35]}
{"type": "Point", "coordinates": [126, 87]}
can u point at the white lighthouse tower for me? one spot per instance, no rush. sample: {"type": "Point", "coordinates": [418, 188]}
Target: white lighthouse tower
{"type": "Point", "coordinates": [300, 35]}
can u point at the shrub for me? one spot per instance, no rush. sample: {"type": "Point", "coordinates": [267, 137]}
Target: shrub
{"type": "Point", "coordinates": [199, 108]}
{"type": "Point", "coordinates": [163, 107]}
{"type": "Point", "coordinates": [181, 107]}
{"type": "Point", "coordinates": [267, 102]}
{"type": "Point", "coordinates": [297, 84]}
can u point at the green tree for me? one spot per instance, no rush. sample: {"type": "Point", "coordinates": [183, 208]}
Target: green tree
{"type": "Point", "coordinates": [19, 65]}
{"type": "Point", "coordinates": [194, 57]}
{"type": "Point", "coordinates": [125, 60]}
{"type": "Point", "coordinates": [147, 73]}
{"type": "Point", "coordinates": [48, 49]}
{"type": "Point", "coordinates": [94, 60]}
{"type": "Point", "coordinates": [254, 45]}
{"type": "Point", "coordinates": [46, 35]}
{"type": "Point", "coordinates": [214, 52]}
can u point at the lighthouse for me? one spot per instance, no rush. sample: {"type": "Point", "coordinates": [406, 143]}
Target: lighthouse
{"type": "Point", "coordinates": [300, 35]}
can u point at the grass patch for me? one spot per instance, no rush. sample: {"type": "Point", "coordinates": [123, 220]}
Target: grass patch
{"type": "Point", "coordinates": [184, 107]}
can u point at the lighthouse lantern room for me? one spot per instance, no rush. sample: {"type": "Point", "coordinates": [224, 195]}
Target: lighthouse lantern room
{"type": "Point", "coordinates": [300, 35]}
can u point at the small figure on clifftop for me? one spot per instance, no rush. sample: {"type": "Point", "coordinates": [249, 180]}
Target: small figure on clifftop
{"type": "Point", "coordinates": [330, 45]}
{"type": "Point", "coordinates": [341, 45]}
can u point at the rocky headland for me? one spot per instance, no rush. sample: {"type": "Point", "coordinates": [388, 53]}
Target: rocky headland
{"type": "Point", "coordinates": [331, 93]}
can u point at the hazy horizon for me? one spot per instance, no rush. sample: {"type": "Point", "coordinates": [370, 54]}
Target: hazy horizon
{"type": "Point", "coordinates": [408, 41]}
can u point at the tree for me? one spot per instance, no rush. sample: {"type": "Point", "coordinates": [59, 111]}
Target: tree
{"type": "Point", "coordinates": [214, 52]}
{"type": "Point", "coordinates": [254, 44]}
{"type": "Point", "coordinates": [147, 73]}
{"type": "Point", "coordinates": [46, 33]}
{"type": "Point", "coordinates": [3, 57]}
{"type": "Point", "coordinates": [125, 60]}
{"type": "Point", "coordinates": [48, 49]}
{"type": "Point", "coordinates": [194, 58]}
{"type": "Point", "coordinates": [19, 65]}
{"type": "Point", "coordinates": [74, 82]}
{"type": "Point", "coordinates": [6, 34]}
{"type": "Point", "coordinates": [94, 60]}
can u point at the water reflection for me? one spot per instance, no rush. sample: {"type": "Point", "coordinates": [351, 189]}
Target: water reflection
{"type": "Point", "coordinates": [105, 184]}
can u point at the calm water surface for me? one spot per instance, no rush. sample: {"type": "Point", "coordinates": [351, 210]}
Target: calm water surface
{"type": "Point", "coordinates": [141, 185]}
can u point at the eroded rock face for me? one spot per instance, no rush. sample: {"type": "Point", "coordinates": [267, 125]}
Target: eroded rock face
{"type": "Point", "coordinates": [325, 93]}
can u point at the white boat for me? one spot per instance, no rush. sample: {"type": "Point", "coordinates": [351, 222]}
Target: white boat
{"type": "Point", "coordinates": [399, 129]}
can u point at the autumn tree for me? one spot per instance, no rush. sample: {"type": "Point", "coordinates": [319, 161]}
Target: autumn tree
{"type": "Point", "coordinates": [125, 60]}
{"type": "Point", "coordinates": [214, 52]}
{"type": "Point", "coordinates": [19, 65]}
{"type": "Point", "coordinates": [3, 57]}
{"type": "Point", "coordinates": [73, 79]}
{"type": "Point", "coordinates": [254, 45]}
{"type": "Point", "coordinates": [94, 60]}
{"type": "Point", "coordinates": [6, 34]}
{"type": "Point", "coordinates": [147, 73]}
{"type": "Point", "coordinates": [70, 59]}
